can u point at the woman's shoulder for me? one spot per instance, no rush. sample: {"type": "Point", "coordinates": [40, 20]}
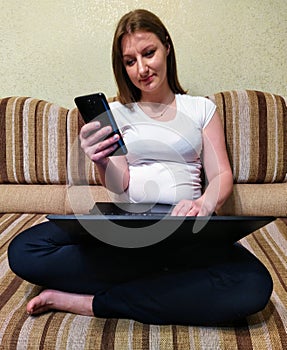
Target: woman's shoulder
{"type": "Point", "coordinates": [115, 104]}
{"type": "Point", "coordinates": [187, 98]}
{"type": "Point", "coordinates": [191, 102]}
{"type": "Point", "coordinates": [198, 108]}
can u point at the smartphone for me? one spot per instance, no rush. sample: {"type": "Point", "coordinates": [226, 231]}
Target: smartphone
{"type": "Point", "coordinates": [95, 106]}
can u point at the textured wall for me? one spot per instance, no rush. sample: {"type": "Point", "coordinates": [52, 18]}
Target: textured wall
{"type": "Point", "coordinates": [58, 49]}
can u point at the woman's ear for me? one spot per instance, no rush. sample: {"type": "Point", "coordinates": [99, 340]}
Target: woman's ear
{"type": "Point", "coordinates": [167, 48]}
{"type": "Point", "coordinates": [167, 45]}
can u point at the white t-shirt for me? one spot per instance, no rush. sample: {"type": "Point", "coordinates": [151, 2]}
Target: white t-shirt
{"type": "Point", "coordinates": [164, 156]}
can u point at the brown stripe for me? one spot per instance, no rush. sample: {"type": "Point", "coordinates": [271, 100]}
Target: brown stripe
{"type": "Point", "coordinates": [10, 290]}
{"type": "Point", "coordinates": [284, 126]}
{"type": "Point", "coordinates": [280, 327]}
{"type": "Point", "coordinates": [39, 115]}
{"type": "Point", "coordinates": [174, 337]}
{"type": "Point", "coordinates": [81, 156]}
{"type": "Point", "coordinates": [224, 104]}
{"type": "Point", "coordinates": [271, 260]}
{"type": "Point", "coordinates": [232, 130]}
{"type": "Point", "coordinates": [263, 141]}
{"type": "Point", "coordinates": [33, 120]}
{"type": "Point", "coordinates": [52, 333]}
{"type": "Point", "coordinates": [183, 337]}
{"type": "Point", "coordinates": [243, 337]}
{"type": "Point", "coordinates": [62, 145]}
{"type": "Point", "coordinates": [223, 108]}
{"type": "Point", "coordinates": [145, 337]}
{"type": "Point", "coordinates": [19, 140]}
{"type": "Point", "coordinates": [282, 139]}
{"type": "Point", "coordinates": [80, 167]}
{"type": "Point", "coordinates": [3, 169]}
{"type": "Point", "coordinates": [73, 147]}
{"type": "Point", "coordinates": [45, 331]}
{"type": "Point", "coordinates": [46, 176]}
{"type": "Point", "coordinates": [273, 137]}
{"type": "Point", "coordinates": [21, 317]}
{"type": "Point", "coordinates": [5, 226]}
{"type": "Point", "coordinates": [24, 224]}
{"type": "Point", "coordinates": [10, 218]}
{"type": "Point", "coordinates": [253, 137]}
{"type": "Point", "coordinates": [222, 111]}
{"type": "Point", "coordinates": [9, 140]}
{"type": "Point", "coordinates": [108, 336]}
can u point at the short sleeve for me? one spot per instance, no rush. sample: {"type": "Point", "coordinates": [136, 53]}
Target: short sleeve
{"type": "Point", "coordinates": [208, 110]}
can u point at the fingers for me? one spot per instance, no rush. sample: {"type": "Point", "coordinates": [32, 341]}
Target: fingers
{"type": "Point", "coordinates": [94, 142]}
{"type": "Point", "coordinates": [92, 133]}
{"type": "Point", "coordinates": [185, 208]}
{"type": "Point", "coordinates": [102, 150]}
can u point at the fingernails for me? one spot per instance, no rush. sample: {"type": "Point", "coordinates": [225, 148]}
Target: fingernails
{"type": "Point", "coordinates": [116, 137]}
{"type": "Point", "coordinates": [97, 125]}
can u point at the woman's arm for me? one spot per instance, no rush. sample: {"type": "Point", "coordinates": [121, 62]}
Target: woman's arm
{"type": "Point", "coordinates": [114, 171]}
{"type": "Point", "coordinates": [218, 172]}
{"type": "Point", "coordinates": [216, 165]}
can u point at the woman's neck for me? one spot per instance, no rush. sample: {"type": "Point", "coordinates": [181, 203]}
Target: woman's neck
{"type": "Point", "coordinates": [162, 109]}
{"type": "Point", "coordinates": [162, 96]}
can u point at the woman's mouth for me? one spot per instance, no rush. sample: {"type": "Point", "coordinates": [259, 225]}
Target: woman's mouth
{"type": "Point", "coordinates": [147, 80]}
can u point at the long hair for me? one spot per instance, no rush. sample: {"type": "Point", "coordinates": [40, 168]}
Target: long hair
{"type": "Point", "coordinates": [141, 20]}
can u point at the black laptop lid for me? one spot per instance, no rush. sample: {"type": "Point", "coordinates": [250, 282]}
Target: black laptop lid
{"type": "Point", "coordinates": [135, 226]}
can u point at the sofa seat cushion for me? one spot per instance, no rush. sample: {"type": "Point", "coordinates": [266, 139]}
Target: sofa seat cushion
{"type": "Point", "coordinates": [33, 198]}
{"type": "Point", "coordinates": [59, 330]}
{"type": "Point", "coordinates": [257, 199]}
{"type": "Point", "coordinates": [80, 199]}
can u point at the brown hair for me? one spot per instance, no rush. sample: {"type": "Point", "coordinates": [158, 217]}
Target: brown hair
{"type": "Point", "coordinates": [141, 20]}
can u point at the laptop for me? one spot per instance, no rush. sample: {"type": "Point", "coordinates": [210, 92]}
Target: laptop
{"type": "Point", "coordinates": [130, 225]}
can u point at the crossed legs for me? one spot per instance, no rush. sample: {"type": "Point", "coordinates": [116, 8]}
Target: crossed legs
{"type": "Point", "coordinates": [208, 286]}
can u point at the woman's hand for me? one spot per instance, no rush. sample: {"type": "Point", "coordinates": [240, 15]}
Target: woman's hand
{"type": "Point", "coordinates": [93, 143]}
{"type": "Point", "coordinates": [187, 207]}
{"type": "Point", "coordinates": [114, 171]}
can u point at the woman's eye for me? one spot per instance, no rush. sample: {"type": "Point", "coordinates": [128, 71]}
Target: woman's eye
{"type": "Point", "coordinates": [129, 63]}
{"type": "Point", "coordinates": [150, 53]}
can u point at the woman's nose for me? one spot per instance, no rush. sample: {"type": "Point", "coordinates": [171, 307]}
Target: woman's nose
{"type": "Point", "coordinates": [142, 67]}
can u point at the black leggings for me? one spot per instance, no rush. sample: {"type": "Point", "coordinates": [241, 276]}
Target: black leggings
{"type": "Point", "coordinates": [202, 286]}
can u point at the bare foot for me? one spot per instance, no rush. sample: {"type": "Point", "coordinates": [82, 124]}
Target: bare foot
{"type": "Point", "coordinates": [55, 300]}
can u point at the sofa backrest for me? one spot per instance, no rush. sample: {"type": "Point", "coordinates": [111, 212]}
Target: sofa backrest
{"type": "Point", "coordinates": [255, 125]}
{"type": "Point", "coordinates": [40, 145]}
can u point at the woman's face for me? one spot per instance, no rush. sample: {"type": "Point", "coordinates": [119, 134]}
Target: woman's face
{"type": "Point", "coordinates": [145, 60]}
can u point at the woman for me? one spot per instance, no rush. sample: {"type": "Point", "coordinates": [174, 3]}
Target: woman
{"type": "Point", "coordinates": [169, 135]}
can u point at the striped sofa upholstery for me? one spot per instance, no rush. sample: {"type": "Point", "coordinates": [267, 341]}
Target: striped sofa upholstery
{"type": "Point", "coordinates": [39, 141]}
{"type": "Point", "coordinates": [43, 170]}
{"type": "Point", "coordinates": [40, 148]}
{"type": "Point", "coordinates": [255, 125]}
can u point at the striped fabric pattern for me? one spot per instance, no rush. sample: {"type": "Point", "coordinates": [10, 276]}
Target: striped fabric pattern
{"type": "Point", "coordinates": [32, 150]}
{"type": "Point", "coordinates": [40, 140]}
{"type": "Point", "coordinates": [39, 144]}
{"type": "Point", "coordinates": [80, 170]}
{"type": "Point", "coordinates": [255, 126]}
{"type": "Point", "coordinates": [58, 330]}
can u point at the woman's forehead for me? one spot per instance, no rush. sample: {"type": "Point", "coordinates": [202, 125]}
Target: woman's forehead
{"type": "Point", "coordinates": [138, 41]}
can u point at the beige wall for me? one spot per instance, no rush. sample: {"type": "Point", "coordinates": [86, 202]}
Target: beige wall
{"type": "Point", "coordinates": [57, 49]}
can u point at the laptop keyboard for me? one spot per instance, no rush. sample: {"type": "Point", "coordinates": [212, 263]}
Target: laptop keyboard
{"type": "Point", "coordinates": [130, 209]}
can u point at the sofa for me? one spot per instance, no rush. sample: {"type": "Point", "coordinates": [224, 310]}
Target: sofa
{"type": "Point", "coordinates": [43, 170]}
